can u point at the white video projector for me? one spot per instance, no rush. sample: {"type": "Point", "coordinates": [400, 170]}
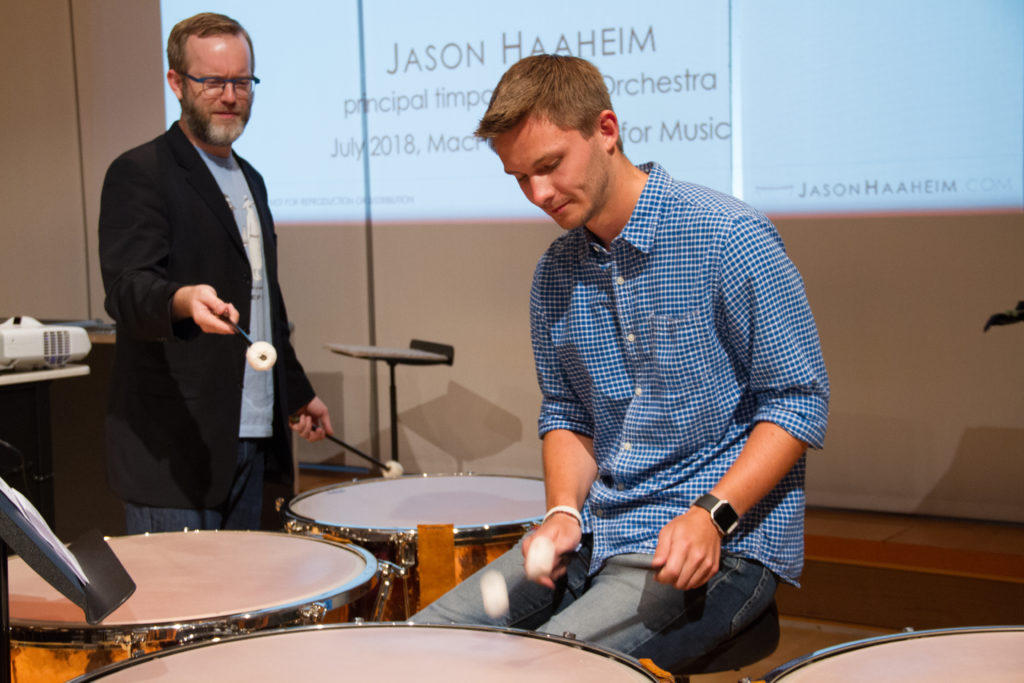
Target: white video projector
{"type": "Point", "coordinates": [27, 344]}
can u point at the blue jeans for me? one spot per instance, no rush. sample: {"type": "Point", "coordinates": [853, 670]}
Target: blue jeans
{"type": "Point", "coordinates": [241, 510]}
{"type": "Point", "coordinates": [621, 607]}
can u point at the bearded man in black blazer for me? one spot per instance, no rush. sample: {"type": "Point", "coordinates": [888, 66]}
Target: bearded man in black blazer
{"type": "Point", "coordinates": [187, 241]}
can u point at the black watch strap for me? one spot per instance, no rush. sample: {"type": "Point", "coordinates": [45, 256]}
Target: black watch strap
{"type": "Point", "coordinates": [722, 513]}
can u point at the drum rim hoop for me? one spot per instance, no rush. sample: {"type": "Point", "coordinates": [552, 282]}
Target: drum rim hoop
{"type": "Point", "coordinates": [571, 642]}
{"type": "Point", "coordinates": [381, 533]}
{"type": "Point", "coordinates": [842, 648]}
{"type": "Point", "coordinates": [110, 632]}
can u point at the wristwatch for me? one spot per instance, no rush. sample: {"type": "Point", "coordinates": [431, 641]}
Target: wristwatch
{"type": "Point", "coordinates": [722, 514]}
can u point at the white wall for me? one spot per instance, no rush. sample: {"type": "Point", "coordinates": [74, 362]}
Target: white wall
{"type": "Point", "coordinates": [927, 410]}
{"type": "Point", "coordinates": [42, 253]}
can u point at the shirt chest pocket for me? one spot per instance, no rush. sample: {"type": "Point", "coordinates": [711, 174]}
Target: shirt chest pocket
{"type": "Point", "coordinates": [677, 351]}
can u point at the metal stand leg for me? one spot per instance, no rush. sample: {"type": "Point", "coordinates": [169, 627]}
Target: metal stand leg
{"type": "Point", "coordinates": [394, 412]}
{"type": "Point", "coordinates": [419, 353]}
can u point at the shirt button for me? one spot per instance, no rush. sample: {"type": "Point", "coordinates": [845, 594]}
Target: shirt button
{"type": "Point", "coordinates": [639, 391]}
{"type": "Point", "coordinates": [627, 446]}
{"type": "Point", "coordinates": [620, 280]}
{"type": "Point", "coordinates": [630, 337]}
{"type": "Point", "coordinates": [597, 512]}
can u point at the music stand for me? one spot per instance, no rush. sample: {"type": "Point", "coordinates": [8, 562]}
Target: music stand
{"type": "Point", "coordinates": [23, 530]}
{"type": "Point", "coordinates": [419, 353]}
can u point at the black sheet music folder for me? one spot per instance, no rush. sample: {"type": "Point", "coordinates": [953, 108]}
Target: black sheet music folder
{"type": "Point", "coordinates": [108, 585]}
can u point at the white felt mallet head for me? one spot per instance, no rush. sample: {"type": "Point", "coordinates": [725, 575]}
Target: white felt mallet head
{"type": "Point", "coordinates": [393, 470]}
{"type": "Point", "coordinates": [494, 593]}
{"type": "Point", "coordinates": [540, 559]}
{"type": "Point", "coordinates": [261, 356]}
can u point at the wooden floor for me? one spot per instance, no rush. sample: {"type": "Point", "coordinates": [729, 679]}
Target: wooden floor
{"type": "Point", "coordinates": [871, 574]}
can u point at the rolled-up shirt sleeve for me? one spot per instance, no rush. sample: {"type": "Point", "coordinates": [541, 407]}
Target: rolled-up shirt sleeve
{"type": "Point", "coordinates": [561, 407]}
{"type": "Point", "coordinates": [768, 327]}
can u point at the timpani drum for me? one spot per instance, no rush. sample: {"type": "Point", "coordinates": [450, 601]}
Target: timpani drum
{"type": "Point", "coordinates": [983, 653]}
{"type": "Point", "coordinates": [410, 521]}
{"type": "Point", "coordinates": [385, 652]}
{"type": "Point", "coordinates": [190, 586]}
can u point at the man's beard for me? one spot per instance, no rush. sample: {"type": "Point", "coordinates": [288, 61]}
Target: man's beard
{"type": "Point", "coordinates": [206, 129]}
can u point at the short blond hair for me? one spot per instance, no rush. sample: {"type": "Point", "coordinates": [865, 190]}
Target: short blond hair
{"type": "Point", "coordinates": [202, 25]}
{"type": "Point", "coordinates": [567, 91]}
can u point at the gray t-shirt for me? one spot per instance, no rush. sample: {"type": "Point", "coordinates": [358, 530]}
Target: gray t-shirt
{"type": "Point", "coordinates": [258, 392]}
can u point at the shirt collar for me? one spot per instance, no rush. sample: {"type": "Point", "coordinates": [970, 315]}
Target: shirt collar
{"type": "Point", "coordinates": [643, 223]}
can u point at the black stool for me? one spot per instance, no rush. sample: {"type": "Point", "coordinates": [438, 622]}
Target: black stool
{"type": "Point", "coordinates": [752, 644]}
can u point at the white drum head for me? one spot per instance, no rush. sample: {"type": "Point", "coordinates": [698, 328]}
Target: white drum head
{"type": "Point", "coordinates": [386, 652]}
{"type": "Point", "coordinates": [404, 503]}
{"type": "Point", "coordinates": [948, 655]}
{"type": "Point", "coordinates": [182, 577]}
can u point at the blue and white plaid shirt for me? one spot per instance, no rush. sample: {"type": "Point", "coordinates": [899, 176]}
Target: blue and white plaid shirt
{"type": "Point", "coordinates": [666, 349]}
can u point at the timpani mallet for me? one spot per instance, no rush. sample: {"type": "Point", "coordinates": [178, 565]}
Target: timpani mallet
{"type": "Point", "coordinates": [261, 355]}
{"type": "Point", "coordinates": [540, 561]}
{"type": "Point", "coordinates": [390, 470]}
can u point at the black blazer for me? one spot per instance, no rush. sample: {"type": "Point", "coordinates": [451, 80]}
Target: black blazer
{"type": "Point", "coordinates": [175, 400]}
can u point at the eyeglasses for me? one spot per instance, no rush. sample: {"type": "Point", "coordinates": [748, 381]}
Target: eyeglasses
{"type": "Point", "coordinates": [214, 85]}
